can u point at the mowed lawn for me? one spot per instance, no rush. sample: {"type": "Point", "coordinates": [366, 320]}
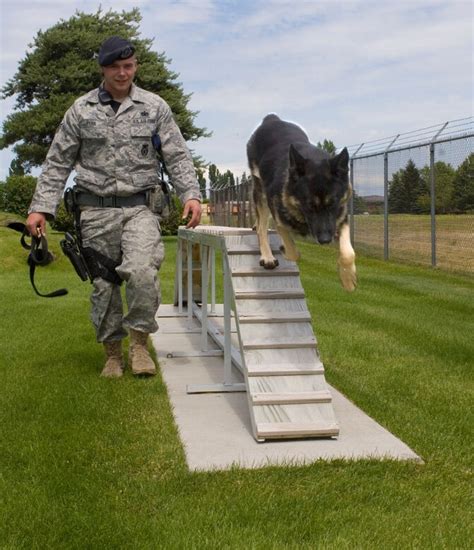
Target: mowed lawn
{"type": "Point", "coordinates": [87, 462]}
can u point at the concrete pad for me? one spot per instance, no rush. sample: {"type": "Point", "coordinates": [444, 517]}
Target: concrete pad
{"type": "Point", "coordinates": [215, 427]}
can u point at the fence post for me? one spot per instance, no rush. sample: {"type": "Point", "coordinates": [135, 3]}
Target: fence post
{"type": "Point", "coordinates": [351, 203]}
{"type": "Point", "coordinates": [242, 206]}
{"type": "Point", "coordinates": [433, 204]}
{"type": "Point", "coordinates": [385, 206]}
{"type": "Point", "coordinates": [433, 194]}
{"type": "Point", "coordinates": [385, 199]}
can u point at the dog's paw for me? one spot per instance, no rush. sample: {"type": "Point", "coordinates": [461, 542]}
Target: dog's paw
{"type": "Point", "coordinates": [269, 263]}
{"type": "Point", "coordinates": [348, 276]}
{"type": "Point", "coordinates": [292, 255]}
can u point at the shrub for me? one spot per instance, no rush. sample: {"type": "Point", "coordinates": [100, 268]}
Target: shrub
{"type": "Point", "coordinates": [16, 194]}
{"type": "Point", "coordinates": [63, 220]}
{"type": "Point", "coordinates": [169, 226]}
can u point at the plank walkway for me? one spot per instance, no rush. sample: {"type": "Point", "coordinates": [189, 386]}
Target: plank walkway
{"type": "Point", "coordinates": [274, 341]}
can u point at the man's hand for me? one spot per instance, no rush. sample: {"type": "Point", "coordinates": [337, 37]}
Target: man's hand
{"type": "Point", "coordinates": [193, 207]}
{"type": "Point", "coordinates": [36, 224]}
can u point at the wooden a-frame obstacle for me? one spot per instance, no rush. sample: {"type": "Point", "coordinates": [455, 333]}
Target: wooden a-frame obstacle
{"type": "Point", "coordinates": [263, 328]}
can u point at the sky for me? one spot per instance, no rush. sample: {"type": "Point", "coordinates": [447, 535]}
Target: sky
{"type": "Point", "coordinates": [350, 71]}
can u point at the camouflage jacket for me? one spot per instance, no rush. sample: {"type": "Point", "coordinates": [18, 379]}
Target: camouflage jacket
{"type": "Point", "coordinates": [113, 153]}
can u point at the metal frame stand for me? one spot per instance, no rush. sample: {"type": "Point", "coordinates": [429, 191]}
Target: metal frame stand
{"type": "Point", "coordinates": [208, 246]}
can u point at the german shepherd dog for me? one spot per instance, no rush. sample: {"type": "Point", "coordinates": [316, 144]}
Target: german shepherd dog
{"type": "Point", "coordinates": [304, 188]}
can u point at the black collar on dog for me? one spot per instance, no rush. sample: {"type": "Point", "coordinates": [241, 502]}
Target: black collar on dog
{"type": "Point", "coordinates": [39, 255]}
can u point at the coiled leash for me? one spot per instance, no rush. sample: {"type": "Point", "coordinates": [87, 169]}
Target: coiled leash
{"type": "Point", "coordinates": [39, 255]}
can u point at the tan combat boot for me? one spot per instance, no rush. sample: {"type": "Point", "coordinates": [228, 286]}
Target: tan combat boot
{"type": "Point", "coordinates": [139, 358]}
{"type": "Point", "coordinates": [114, 364]}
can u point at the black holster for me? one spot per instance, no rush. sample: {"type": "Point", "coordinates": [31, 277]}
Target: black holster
{"type": "Point", "coordinates": [87, 262]}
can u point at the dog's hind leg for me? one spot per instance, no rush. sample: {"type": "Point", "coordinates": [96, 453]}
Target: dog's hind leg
{"type": "Point", "coordinates": [267, 260]}
{"type": "Point", "coordinates": [346, 262]}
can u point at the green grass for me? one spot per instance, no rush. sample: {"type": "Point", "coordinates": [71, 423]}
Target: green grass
{"type": "Point", "coordinates": [92, 463]}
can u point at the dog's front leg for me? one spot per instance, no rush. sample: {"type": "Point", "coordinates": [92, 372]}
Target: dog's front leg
{"type": "Point", "coordinates": [289, 249]}
{"type": "Point", "coordinates": [346, 262]}
{"type": "Point", "coordinates": [267, 260]}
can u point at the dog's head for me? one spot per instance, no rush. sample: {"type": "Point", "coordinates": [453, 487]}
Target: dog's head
{"type": "Point", "coordinates": [321, 188]}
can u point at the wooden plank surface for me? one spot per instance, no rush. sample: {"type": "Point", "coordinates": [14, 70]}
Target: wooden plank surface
{"type": "Point", "coordinates": [248, 249]}
{"type": "Point", "coordinates": [269, 294]}
{"type": "Point", "coordinates": [292, 429]}
{"type": "Point", "coordinates": [276, 317]}
{"type": "Point", "coordinates": [294, 398]}
{"type": "Point", "coordinates": [258, 271]}
{"type": "Point", "coordinates": [285, 369]}
{"type": "Point", "coordinates": [288, 395]}
{"type": "Point", "coordinates": [281, 343]}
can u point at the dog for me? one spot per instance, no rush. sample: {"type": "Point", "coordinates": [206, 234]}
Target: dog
{"type": "Point", "coordinates": [304, 188]}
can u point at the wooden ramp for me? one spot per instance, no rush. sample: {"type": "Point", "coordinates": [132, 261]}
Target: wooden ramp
{"type": "Point", "coordinates": [287, 391]}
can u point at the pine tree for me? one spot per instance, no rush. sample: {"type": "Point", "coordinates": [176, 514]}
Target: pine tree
{"type": "Point", "coordinates": [214, 176]}
{"type": "Point", "coordinates": [405, 189]}
{"type": "Point", "coordinates": [62, 65]}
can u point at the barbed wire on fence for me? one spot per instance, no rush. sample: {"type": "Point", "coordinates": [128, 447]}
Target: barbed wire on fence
{"type": "Point", "coordinates": [445, 131]}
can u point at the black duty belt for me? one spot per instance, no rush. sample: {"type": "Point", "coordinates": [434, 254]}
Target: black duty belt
{"type": "Point", "coordinates": [114, 201]}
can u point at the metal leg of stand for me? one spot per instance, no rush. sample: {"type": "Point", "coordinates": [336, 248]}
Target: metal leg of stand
{"type": "Point", "coordinates": [189, 249]}
{"type": "Point", "coordinates": [205, 282]}
{"type": "Point", "coordinates": [180, 276]}
{"type": "Point", "coordinates": [227, 326]}
{"type": "Point", "coordinates": [213, 280]}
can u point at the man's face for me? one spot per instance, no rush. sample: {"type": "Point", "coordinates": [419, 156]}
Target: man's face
{"type": "Point", "coordinates": [119, 76]}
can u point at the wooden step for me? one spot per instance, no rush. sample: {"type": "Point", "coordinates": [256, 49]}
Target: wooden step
{"type": "Point", "coordinates": [282, 343]}
{"type": "Point", "coordinates": [248, 249]}
{"type": "Point", "coordinates": [291, 398]}
{"type": "Point", "coordinates": [269, 294]}
{"type": "Point", "coordinates": [284, 369]}
{"type": "Point", "coordinates": [275, 430]}
{"type": "Point", "coordinates": [286, 317]}
{"type": "Point", "coordinates": [261, 272]}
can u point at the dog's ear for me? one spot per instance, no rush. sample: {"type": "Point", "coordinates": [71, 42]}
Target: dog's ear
{"type": "Point", "coordinates": [340, 163]}
{"type": "Point", "coordinates": [297, 162]}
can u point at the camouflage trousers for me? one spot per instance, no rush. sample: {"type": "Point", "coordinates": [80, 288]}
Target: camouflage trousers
{"type": "Point", "coordinates": [132, 236]}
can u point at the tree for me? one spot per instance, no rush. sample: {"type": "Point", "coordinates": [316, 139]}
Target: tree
{"type": "Point", "coordinates": [61, 66]}
{"type": "Point", "coordinates": [16, 194]}
{"type": "Point", "coordinates": [244, 179]}
{"type": "Point", "coordinates": [405, 189]}
{"type": "Point", "coordinates": [214, 176]}
{"type": "Point", "coordinates": [327, 146]}
{"type": "Point", "coordinates": [226, 179]}
{"type": "Point", "coordinates": [202, 181]}
{"type": "Point", "coordinates": [444, 177]}
{"type": "Point", "coordinates": [463, 186]}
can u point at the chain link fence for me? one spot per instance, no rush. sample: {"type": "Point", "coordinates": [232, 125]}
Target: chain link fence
{"type": "Point", "coordinates": [413, 197]}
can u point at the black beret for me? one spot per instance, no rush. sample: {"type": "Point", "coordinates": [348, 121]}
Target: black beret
{"type": "Point", "coordinates": [114, 48]}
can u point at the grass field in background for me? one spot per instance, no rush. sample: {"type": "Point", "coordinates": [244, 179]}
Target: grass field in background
{"type": "Point", "coordinates": [87, 462]}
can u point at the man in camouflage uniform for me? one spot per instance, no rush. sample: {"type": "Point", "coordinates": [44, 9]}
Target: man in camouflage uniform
{"type": "Point", "coordinates": [106, 136]}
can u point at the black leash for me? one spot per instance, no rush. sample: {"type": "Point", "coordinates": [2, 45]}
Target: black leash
{"type": "Point", "coordinates": [39, 255]}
